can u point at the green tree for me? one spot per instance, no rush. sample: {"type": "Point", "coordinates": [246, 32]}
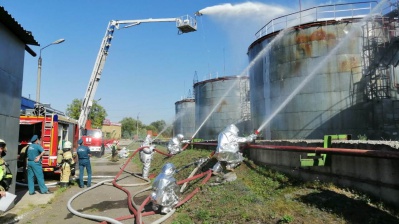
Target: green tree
{"type": "Point", "coordinates": [152, 128]}
{"type": "Point", "coordinates": [97, 113]}
{"type": "Point", "coordinates": [73, 109]}
{"type": "Point", "coordinates": [129, 127]}
{"type": "Point", "coordinates": [169, 132]}
{"type": "Point", "coordinates": [159, 125]}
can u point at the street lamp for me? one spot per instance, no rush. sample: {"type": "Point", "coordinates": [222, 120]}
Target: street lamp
{"type": "Point", "coordinates": [39, 69]}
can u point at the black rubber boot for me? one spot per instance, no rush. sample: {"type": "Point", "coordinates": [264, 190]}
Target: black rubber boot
{"type": "Point", "coordinates": [64, 185]}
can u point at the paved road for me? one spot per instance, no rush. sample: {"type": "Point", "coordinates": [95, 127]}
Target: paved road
{"type": "Point", "coordinates": [104, 200]}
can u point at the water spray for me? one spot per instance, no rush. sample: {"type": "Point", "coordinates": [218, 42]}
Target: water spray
{"type": "Point", "coordinates": [317, 68]}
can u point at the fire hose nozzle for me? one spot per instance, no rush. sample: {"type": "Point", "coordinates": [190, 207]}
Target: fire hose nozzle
{"type": "Point", "coordinates": [256, 132]}
{"type": "Point", "coordinates": [198, 13]}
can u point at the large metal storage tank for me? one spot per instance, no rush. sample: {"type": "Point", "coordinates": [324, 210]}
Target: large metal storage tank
{"type": "Point", "coordinates": [355, 89]}
{"type": "Point", "coordinates": [228, 98]}
{"type": "Point", "coordinates": [185, 118]}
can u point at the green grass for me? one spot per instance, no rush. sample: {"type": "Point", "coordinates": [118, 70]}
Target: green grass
{"type": "Point", "coordinates": [262, 195]}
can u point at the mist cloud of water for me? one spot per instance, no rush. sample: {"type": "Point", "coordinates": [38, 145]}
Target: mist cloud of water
{"type": "Point", "coordinates": [239, 23]}
{"type": "Point", "coordinates": [256, 10]}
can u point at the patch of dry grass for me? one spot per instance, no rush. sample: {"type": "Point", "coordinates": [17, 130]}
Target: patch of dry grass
{"type": "Point", "coordinates": [262, 195]}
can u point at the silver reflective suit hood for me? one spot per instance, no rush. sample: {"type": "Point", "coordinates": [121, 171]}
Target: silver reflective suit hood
{"type": "Point", "coordinates": [228, 148]}
{"type": "Point", "coordinates": [147, 141]}
{"type": "Point", "coordinates": [165, 193]}
{"type": "Point", "coordinates": [228, 140]}
{"type": "Point", "coordinates": [175, 144]}
{"type": "Point", "coordinates": [146, 155]}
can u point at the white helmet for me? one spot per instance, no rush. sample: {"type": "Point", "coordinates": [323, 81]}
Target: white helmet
{"type": "Point", "coordinates": [68, 145]}
{"type": "Point", "coordinates": [232, 128]}
{"type": "Point", "coordinates": [180, 136]}
{"type": "Point", "coordinates": [3, 144]}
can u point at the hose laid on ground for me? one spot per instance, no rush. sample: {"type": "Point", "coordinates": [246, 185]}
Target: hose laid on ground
{"type": "Point", "coordinates": [127, 185]}
{"type": "Point", "coordinates": [165, 154]}
{"type": "Point", "coordinates": [191, 174]}
{"type": "Point", "coordinates": [132, 206]}
{"type": "Point", "coordinates": [165, 217]}
{"type": "Point", "coordinates": [120, 186]}
{"type": "Point", "coordinates": [95, 217]}
{"type": "Point", "coordinates": [129, 199]}
{"type": "Point", "coordinates": [140, 208]}
{"type": "Point", "coordinates": [23, 184]}
{"type": "Point", "coordinates": [169, 214]}
{"type": "Point", "coordinates": [208, 176]}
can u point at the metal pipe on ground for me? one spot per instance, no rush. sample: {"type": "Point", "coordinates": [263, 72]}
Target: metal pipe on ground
{"type": "Point", "coordinates": [341, 151]}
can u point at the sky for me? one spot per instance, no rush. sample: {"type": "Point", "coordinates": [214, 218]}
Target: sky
{"type": "Point", "coordinates": [149, 67]}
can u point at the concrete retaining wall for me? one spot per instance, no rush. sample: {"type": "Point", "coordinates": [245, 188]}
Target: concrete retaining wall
{"type": "Point", "coordinates": [376, 176]}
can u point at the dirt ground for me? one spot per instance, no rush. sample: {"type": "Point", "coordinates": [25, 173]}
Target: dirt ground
{"type": "Point", "coordinates": [103, 200]}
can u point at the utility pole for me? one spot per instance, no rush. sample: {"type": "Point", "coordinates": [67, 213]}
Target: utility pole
{"type": "Point", "coordinates": [137, 126]}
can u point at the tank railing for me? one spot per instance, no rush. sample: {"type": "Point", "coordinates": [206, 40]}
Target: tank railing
{"type": "Point", "coordinates": [318, 13]}
{"type": "Point", "coordinates": [391, 7]}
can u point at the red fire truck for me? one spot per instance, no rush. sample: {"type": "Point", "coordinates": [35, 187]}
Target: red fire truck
{"type": "Point", "coordinates": [94, 139]}
{"type": "Point", "coordinates": [52, 127]}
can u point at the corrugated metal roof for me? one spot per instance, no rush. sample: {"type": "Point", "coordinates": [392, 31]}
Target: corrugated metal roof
{"type": "Point", "coordinates": [16, 28]}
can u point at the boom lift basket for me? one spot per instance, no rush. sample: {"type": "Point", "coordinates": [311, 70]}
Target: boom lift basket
{"type": "Point", "coordinates": [186, 24]}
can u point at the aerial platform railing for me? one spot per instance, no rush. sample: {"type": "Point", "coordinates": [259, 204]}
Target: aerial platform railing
{"type": "Point", "coordinates": [316, 14]}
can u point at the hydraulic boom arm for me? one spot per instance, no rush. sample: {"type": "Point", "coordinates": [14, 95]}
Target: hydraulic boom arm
{"type": "Point", "coordinates": [185, 24]}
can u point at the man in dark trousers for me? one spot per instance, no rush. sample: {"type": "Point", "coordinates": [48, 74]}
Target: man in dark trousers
{"type": "Point", "coordinates": [84, 162]}
{"type": "Point", "coordinates": [34, 154]}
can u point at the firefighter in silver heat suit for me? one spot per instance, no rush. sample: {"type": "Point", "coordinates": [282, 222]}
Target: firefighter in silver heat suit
{"type": "Point", "coordinates": [227, 152]}
{"type": "Point", "coordinates": [175, 144]}
{"type": "Point", "coordinates": [165, 194]}
{"type": "Point", "coordinates": [146, 155]}
{"type": "Point", "coordinates": [66, 160]}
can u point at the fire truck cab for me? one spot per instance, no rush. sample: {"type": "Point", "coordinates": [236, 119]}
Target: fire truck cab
{"type": "Point", "coordinates": [53, 129]}
{"type": "Point", "coordinates": [93, 138]}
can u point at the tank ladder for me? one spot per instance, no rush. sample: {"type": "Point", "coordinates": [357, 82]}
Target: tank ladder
{"type": "Point", "coordinates": [375, 47]}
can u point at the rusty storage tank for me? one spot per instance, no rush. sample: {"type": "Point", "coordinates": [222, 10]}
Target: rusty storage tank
{"type": "Point", "coordinates": [185, 118]}
{"type": "Point", "coordinates": [220, 102]}
{"type": "Point", "coordinates": [348, 65]}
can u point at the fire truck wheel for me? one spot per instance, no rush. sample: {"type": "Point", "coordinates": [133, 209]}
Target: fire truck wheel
{"type": "Point", "coordinates": [98, 154]}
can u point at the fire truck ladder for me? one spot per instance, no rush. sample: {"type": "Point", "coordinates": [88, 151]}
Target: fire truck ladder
{"type": "Point", "coordinates": [46, 136]}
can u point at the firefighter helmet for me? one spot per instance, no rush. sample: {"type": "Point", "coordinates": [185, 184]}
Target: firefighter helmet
{"type": "Point", "coordinates": [68, 145]}
{"type": "Point", "coordinates": [3, 144]}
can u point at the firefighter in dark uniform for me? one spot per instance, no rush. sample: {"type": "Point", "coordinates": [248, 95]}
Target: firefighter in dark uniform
{"type": "Point", "coordinates": [5, 177]}
{"type": "Point", "coordinates": [66, 160]}
{"type": "Point", "coordinates": [34, 154]}
{"type": "Point", "coordinates": [23, 161]}
{"type": "Point", "coordinates": [84, 162]}
{"type": "Point", "coordinates": [114, 152]}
